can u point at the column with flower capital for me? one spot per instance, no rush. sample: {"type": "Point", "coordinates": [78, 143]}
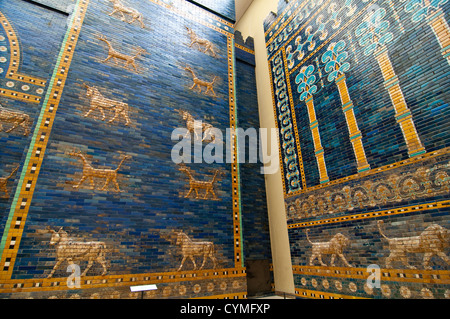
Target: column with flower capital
{"type": "Point", "coordinates": [336, 67]}
{"type": "Point", "coordinates": [402, 112]}
{"type": "Point", "coordinates": [431, 12]}
{"type": "Point", "coordinates": [374, 37]}
{"type": "Point", "coordinates": [307, 88]}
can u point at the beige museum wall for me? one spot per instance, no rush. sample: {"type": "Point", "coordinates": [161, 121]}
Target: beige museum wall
{"type": "Point", "coordinates": [251, 24]}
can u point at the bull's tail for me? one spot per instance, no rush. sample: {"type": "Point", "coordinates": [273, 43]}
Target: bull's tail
{"type": "Point", "coordinates": [13, 172]}
{"type": "Point", "coordinates": [307, 237]}
{"type": "Point", "coordinates": [123, 160]}
{"type": "Point", "coordinates": [379, 229]}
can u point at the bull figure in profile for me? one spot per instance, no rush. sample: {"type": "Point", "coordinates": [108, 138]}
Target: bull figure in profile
{"type": "Point", "coordinates": [70, 250]}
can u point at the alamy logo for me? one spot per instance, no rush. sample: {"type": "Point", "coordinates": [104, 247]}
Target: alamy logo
{"type": "Point", "coordinates": [374, 279]}
{"type": "Point", "coordinates": [209, 146]}
{"type": "Point", "coordinates": [74, 280]}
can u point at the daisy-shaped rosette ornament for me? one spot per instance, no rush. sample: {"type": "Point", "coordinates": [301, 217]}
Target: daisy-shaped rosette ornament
{"type": "Point", "coordinates": [306, 82]}
{"type": "Point", "coordinates": [373, 32]}
{"type": "Point", "coordinates": [336, 65]}
{"type": "Point", "coordinates": [431, 11]}
{"type": "Point", "coordinates": [335, 60]}
{"type": "Point", "coordinates": [422, 9]}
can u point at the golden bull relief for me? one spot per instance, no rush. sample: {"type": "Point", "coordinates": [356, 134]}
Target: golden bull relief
{"type": "Point", "coordinates": [16, 119]}
{"type": "Point", "coordinates": [205, 128]}
{"type": "Point", "coordinates": [102, 104]}
{"type": "Point", "coordinates": [190, 249]}
{"type": "Point", "coordinates": [71, 251]}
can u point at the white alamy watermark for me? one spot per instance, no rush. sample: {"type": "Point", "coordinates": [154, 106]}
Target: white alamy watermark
{"type": "Point", "coordinates": [374, 279]}
{"type": "Point", "coordinates": [74, 280]}
{"type": "Point", "coordinates": [204, 144]}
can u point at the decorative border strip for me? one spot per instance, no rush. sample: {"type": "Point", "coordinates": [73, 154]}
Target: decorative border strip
{"type": "Point", "coordinates": [20, 96]}
{"type": "Point", "coordinates": [385, 168]}
{"type": "Point", "coordinates": [375, 214]}
{"type": "Point", "coordinates": [312, 294]}
{"type": "Point", "coordinates": [294, 122]}
{"type": "Point", "coordinates": [239, 295]}
{"type": "Point", "coordinates": [244, 48]}
{"type": "Point", "coordinates": [235, 172]}
{"type": "Point", "coordinates": [10, 242]}
{"type": "Point", "coordinates": [60, 284]}
{"type": "Point", "coordinates": [438, 277]}
{"type": "Point", "coordinates": [13, 70]}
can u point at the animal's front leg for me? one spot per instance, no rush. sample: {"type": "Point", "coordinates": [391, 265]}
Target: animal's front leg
{"type": "Point", "coordinates": [443, 256]}
{"type": "Point", "coordinates": [107, 59]}
{"type": "Point", "coordinates": [80, 182]}
{"type": "Point", "coordinates": [25, 127]}
{"type": "Point", "coordinates": [182, 262]}
{"type": "Point", "coordinates": [115, 10]}
{"type": "Point", "coordinates": [319, 258]}
{"type": "Point", "coordinates": [127, 119]}
{"type": "Point", "coordinates": [135, 68]}
{"type": "Point", "coordinates": [214, 260]}
{"type": "Point", "coordinates": [12, 128]}
{"type": "Point", "coordinates": [404, 260]}
{"type": "Point", "coordinates": [345, 260]}
{"type": "Point", "coordinates": [117, 185]}
{"type": "Point", "coordinates": [311, 260]}
{"type": "Point", "coordinates": [333, 257]}
{"type": "Point", "coordinates": [213, 193]}
{"type": "Point", "coordinates": [426, 260]}
{"type": "Point", "coordinates": [102, 261]}
{"type": "Point", "coordinates": [103, 113]}
{"type": "Point", "coordinates": [189, 193]}
{"type": "Point", "coordinates": [193, 261]}
{"type": "Point", "coordinates": [88, 112]}
{"type": "Point", "coordinates": [204, 261]}
{"type": "Point", "coordinates": [123, 16]}
{"type": "Point", "coordinates": [106, 184]}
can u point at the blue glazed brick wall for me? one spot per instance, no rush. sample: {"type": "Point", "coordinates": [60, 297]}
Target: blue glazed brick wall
{"type": "Point", "coordinates": [225, 8]}
{"type": "Point", "coordinates": [254, 205]}
{"type": "Point", "coordinates": [376, 76]}
{"type": "Point", "coordinates": [36, 60]}
{"type": "Point", "coordinates": [137, 217]}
